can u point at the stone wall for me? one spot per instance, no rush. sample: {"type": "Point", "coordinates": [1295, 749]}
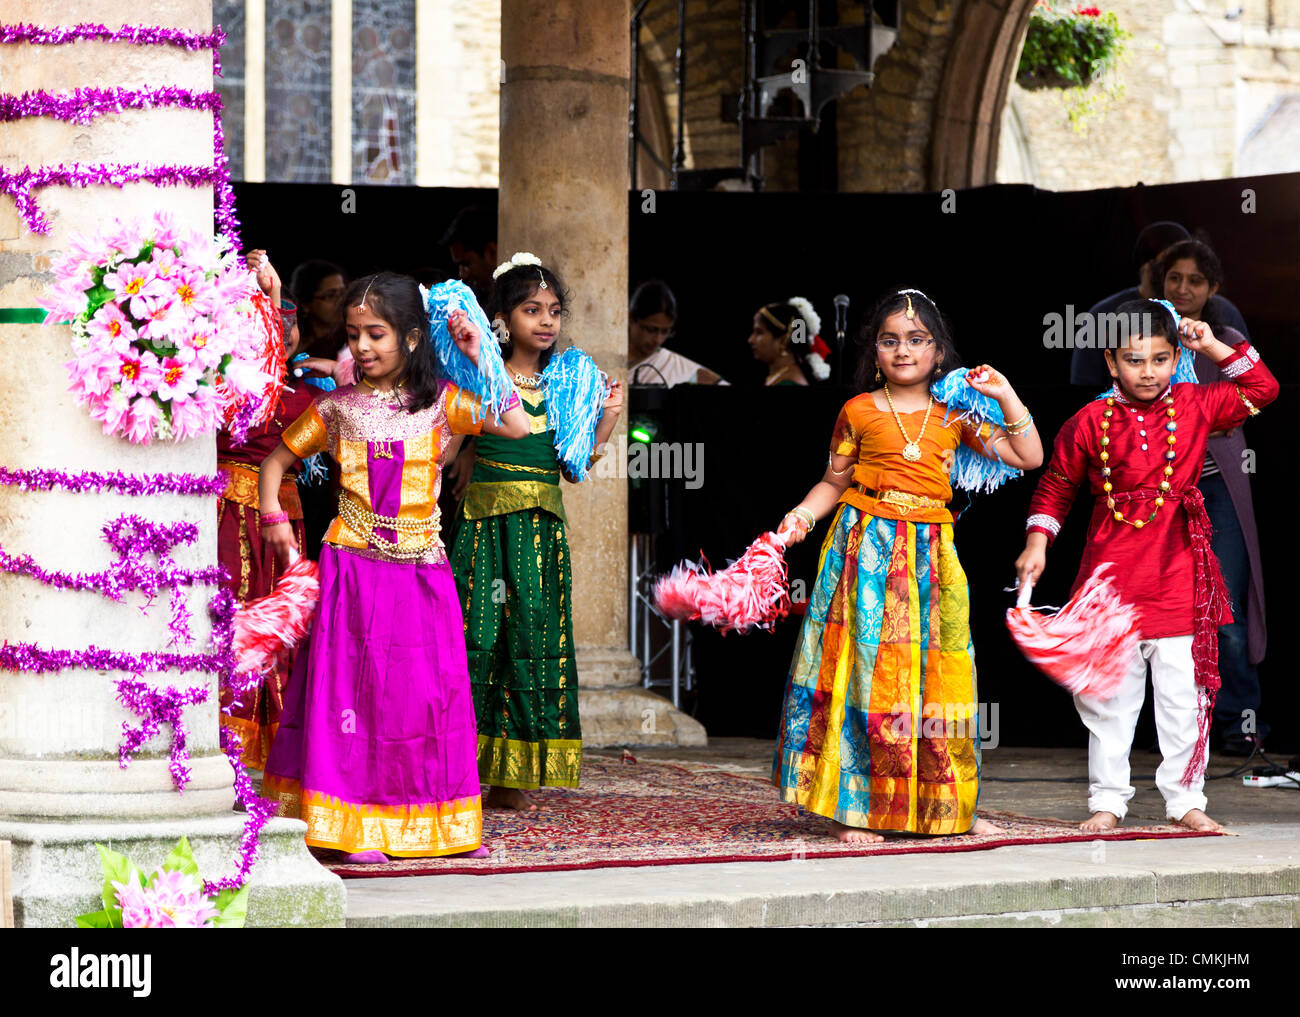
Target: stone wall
{"type": "Point", "coordinates": [1198, 87]}
{"type": "Point", "coordinates": [462, 149]}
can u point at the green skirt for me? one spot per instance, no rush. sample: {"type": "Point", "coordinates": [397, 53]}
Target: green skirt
{"type": "Point", "coordinates": [512, 572]}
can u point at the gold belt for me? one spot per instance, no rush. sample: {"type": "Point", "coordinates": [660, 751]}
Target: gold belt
{"type": "Point", "coordinates": [363, 522]}
{"type": "Point", "coordinates": [241, 488]}
{"type": "Point", "coordinates": [904, 500]}
{"type": "Point", "coordinates": [518, 469]}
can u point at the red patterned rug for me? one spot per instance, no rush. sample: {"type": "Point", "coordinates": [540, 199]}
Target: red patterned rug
{"type": "Point", "coordinates": [641, 813]}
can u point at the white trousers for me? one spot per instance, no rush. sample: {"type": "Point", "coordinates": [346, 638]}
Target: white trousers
{"type": "Point", "coordinates": [1111, 723]}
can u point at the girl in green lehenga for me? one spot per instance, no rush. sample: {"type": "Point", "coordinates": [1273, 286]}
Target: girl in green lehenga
{"type": "Point", "coordinates": [512, 564]}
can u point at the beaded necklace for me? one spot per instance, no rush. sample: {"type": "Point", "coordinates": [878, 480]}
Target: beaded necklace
{"type": "Point", "coordinates": [1171, 427]}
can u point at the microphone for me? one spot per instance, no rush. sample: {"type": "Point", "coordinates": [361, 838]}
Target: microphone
{"type": "Point", "coordinates": [841, 323]}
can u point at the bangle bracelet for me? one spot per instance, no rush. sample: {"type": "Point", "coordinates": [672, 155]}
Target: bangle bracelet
{"type": "Point", "coordinates": [274, 518]}
{"type": "Point", "coordinates": [1020, 426]}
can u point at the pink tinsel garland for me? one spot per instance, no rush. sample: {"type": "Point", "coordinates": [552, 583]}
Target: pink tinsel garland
{"type": "Point", "coordinates": [84, 104]}
{"type": "Point", "coordinates": [133, 538]}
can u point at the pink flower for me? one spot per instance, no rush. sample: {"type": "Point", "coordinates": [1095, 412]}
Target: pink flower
{"type": "Point", "coordinates": [190, 417]}
{"type": "Point", "coordinates": [111, 327]}
{"type": "Point", "coordinates": [189, 289]}
{"type": "Point", "coordinates": [173, 900]}
{"type": "Point", "coordinates": [244, 376]}
{"type": "Point", "coordinates": [138, 372]}
{"type": "Point", "coordinates": [178, 380]}
{"type": "Point", "coordinates": [163, 319]}
{"type": "Point", "coordinates": [1088, 12]}
{"type": "Point", "coordinates": [127, 237]}
{"type": "Point", "coordinates": [165, 233]}
{"type": "Point", "coordinates": [199, 346]}
{"type": "Point", "coordinates": [145, 416]}
{"type": "Point", "coordinates": [110, 409]}
{"type": "Point", "coordinates": [137, 284]}
{"type": "Point", "coordinates": [165, 263]}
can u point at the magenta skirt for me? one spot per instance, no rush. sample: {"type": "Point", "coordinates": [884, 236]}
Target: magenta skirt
{"type": "Point", "coordinates": [376, 748]}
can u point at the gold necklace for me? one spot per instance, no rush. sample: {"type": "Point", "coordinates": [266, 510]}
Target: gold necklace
{"type": "Point", "coordinates": [375, 393]}
{"type": "Point", "coordinates": [529, 383]}
{"type": "Point", "coordinates": [912, 450]}
{"type": "Point", "coordinates": [772, 378]}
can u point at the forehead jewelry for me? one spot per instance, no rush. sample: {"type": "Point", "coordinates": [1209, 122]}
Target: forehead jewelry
{"type": "Point", "coordinates": [362, 306]}
{"type": "Point", "coordinates": [910, 312]}
{"type": "Point", "coordinates": [542, 283]}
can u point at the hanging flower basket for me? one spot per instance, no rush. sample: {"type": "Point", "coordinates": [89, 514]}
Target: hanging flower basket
{"type": "Point", "coordinates": [1069, 48]}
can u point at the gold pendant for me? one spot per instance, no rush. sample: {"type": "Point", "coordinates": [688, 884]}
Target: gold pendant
{"type": "Point", "coordinates": [912, 452]}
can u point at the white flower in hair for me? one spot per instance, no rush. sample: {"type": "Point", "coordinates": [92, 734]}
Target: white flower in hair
{"type": "Point", "coordinates": [517, 260]}
{"type": "Point", "coordinates": [820, 369]}
{"type": "Point", "coordinates": [809, 316]}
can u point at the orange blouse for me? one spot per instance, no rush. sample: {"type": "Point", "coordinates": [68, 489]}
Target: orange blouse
{"type": "Point", "coordinates": [872, 434]}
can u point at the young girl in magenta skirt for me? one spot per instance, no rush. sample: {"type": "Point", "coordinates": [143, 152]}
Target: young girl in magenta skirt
{"type": "Point", "coordinates": [376, 748]}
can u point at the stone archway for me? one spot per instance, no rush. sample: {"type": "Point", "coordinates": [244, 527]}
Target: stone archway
{"type": "Point", "coordinates": [981, 64]}
{"type": "Point", "coordinates": [931, 118]}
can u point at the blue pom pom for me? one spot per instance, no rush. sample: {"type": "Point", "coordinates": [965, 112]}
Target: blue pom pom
{"type": "Point", "coordinates": [970, 470]}
{"type": "Point", "coordinates": [313, 471]}
{"type": "Point", "coordinates": [575, 397]}
{"type": "Point", "coordinates": [489, 380]}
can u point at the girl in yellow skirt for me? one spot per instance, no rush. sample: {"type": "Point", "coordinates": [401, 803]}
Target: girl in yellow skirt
{"type": "Point", "coordinates": [879, 728]}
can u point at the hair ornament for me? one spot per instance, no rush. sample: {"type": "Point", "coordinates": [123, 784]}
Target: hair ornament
{"type": "Point", "coordinates": [362, 306]}
{"type": "Point", "coordinates": [806, 312]}
{"type": "Point", "coordinates": [911, 311]}
{"type": "Point", "coordinates": [518, 260]}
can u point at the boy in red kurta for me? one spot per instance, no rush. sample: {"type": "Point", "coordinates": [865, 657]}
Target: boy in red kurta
{"type": "Point", "coordinates": [1140, 449]}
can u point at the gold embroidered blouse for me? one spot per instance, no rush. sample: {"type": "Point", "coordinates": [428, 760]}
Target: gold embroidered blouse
{"type": "Point", "coordinates": [391, 465]}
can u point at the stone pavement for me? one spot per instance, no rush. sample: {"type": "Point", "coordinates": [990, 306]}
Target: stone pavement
{"type": "Point", "coordinates": [1252, 878]}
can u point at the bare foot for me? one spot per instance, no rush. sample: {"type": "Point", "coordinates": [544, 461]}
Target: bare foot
{"type": "Point", "coordinates": [1195, 819]}
{"type": "Point", "coordinates": [509, 798]}
{"type": "Point", "coordinates": [1100, 821]}
{"type": "Point", "coordinates": [854, 834]}
{"type": "Point", "coordinates": [983, 828]}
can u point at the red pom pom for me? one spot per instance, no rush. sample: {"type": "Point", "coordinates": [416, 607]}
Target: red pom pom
{"type": "Point", "coordinates": [1087, 646]}
{"type": "Point", "coordinates": [280, 619]}
{"type": "Point", "coordinates": [751, 592]}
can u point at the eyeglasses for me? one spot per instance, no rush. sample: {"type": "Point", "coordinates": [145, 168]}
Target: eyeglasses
{"type": "Point", "coordinates": [916, 342]}
{"type": "Point", "coordinates": [655, 332]}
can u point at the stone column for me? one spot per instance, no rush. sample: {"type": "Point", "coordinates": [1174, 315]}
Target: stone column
{"type": "Point", "coordinates": [61, 788]}
{"type": "Point", "coordinates": [564, 197]}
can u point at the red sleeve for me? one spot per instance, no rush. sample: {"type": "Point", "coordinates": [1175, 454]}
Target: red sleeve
{"type": "Point", "coordinates": [1248, 388]}
{"type": "Point", "coordinates": [1060, 482]}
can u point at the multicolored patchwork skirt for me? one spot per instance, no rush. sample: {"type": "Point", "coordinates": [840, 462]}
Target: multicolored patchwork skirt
{"type": "Point", "coordinates": [880, 726]}
{"type": "Point", "coordinates": [375, 749]}
{"type": "Point", "coordinates": [513, 574]}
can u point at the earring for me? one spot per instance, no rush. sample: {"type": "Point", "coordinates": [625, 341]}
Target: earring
{"type": "Point", "coordinates": [877, 372]}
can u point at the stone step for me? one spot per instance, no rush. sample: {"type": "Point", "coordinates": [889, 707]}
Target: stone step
{"type": "Point", "coordinates": [1252, 879]}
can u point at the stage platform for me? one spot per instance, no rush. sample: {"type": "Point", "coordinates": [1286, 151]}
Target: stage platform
{"type": "Point", "coordinates": [1249, 879]}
